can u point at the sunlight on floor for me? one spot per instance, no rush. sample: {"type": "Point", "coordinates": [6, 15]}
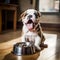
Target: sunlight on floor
{"type": "Point", "coordinates": [51, 39]}
{"type": "Point", "coordinates": [51, 50]}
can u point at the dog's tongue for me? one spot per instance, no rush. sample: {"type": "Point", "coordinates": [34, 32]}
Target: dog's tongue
{"type": "Point", "coordinates": [30, 26]}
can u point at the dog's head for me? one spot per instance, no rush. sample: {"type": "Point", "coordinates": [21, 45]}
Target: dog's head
{"type": "Point", "coordinates": [30, 17]}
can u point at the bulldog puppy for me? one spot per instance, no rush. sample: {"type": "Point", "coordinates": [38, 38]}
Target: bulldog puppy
{"type": "Point", "coordinates": [32, 30]}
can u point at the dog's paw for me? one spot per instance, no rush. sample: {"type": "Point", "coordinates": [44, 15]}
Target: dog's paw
{"type": "Point", "coordinates": [43, 45]}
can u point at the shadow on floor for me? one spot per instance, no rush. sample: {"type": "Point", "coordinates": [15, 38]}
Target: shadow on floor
{"type": "Point", "coordinates": [12, 56]}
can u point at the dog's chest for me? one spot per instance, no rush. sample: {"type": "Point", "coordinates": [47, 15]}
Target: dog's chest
{"type": "Point", "coordinates": [31, 35]}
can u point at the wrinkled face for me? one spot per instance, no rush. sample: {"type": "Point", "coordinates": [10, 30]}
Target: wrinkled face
{"type": "Point", "coordinates": [30, 17]}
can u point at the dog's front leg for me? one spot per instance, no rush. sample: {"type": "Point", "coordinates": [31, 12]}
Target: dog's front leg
{"type": "Point", "coordinates": [37, 42]}
{"type": "Point", "coordinates": [23, 38]}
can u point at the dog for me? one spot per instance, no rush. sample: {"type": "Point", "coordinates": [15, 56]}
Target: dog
{"type": "Point", "coordinates": [32, 31]}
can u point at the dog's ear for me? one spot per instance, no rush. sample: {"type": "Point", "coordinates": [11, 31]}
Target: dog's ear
{"type": "Point", "coordinates": [22, 16]}
{"type": "Point", "coordinates": [38, 13]}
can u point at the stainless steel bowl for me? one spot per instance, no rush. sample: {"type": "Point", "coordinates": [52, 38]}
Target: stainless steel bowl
{"type": "Point", "coordinates": [22, 49]}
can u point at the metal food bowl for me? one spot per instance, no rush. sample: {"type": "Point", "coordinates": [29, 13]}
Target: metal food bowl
{"type": "Point", "coordinates": [22, 49]}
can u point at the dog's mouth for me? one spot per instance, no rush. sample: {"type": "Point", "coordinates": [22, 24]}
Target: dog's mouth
{"type": "Point", "coordinates": [30, 24]}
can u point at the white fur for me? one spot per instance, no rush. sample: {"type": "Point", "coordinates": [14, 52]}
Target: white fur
{"type": "Point", "coordinates": [32, 35]}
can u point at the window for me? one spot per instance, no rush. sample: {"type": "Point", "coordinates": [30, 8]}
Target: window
{"type": "Point", "coordinates": [49, 5]}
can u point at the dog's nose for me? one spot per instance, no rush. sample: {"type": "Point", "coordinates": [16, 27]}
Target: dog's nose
{"type": "Point", "coordinates": [30, 16]}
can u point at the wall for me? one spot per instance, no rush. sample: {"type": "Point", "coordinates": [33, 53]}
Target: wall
{"type": "Point", "coordinates": [25, 4]}
{"type": "Point", "coordinates": [50, 22]}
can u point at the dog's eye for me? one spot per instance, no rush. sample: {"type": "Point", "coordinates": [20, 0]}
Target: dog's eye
{"type": "Point", "coordinates": [36, 15]}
